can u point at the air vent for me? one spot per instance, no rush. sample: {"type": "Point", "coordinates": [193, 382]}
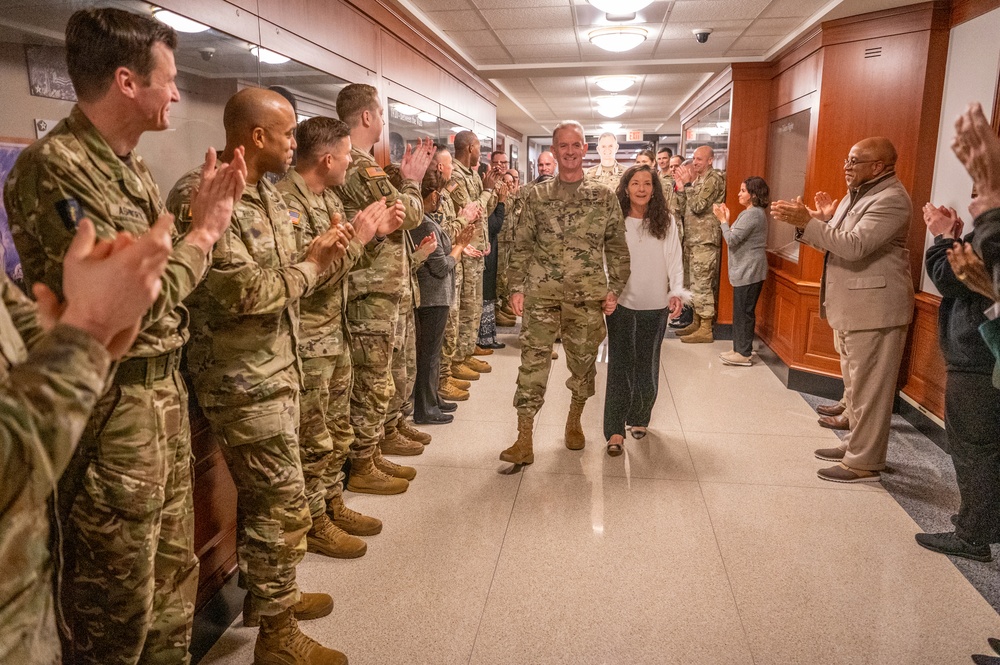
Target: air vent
{"type": "Point", "coordinates": [873, 52]}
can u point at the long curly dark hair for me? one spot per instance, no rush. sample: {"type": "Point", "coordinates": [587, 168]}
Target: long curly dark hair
{"type": "Point", "coordinates": [657, 219]}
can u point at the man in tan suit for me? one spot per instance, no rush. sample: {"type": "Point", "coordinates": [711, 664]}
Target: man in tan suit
{"type": "Point", "coordinates": [866, 295]}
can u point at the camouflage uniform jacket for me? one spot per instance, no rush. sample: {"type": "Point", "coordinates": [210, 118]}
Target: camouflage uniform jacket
{"type": "Point", "coordinates": [514, 209]}
{"type": "Point", "coordinates": [469, 187]}
{"type": "Point", "coordinates": [72, 173]}
{"type": "Point", "coordinates": [322, 324]}
{"type": "Point", "coordinates": [383, 269]}
{"type": "Point", "coordinates": [676, 205]}
{"type": "Point", "coordinates": [449, 220]}
{"type": "Point", "coordinates": [568, 232]}
{"type": "Point", "coordinates": [700, 225]}
{"type": "Point", "coordinates": [608, 177]}
{"type": "Point", "coordinates": [245, 315]}
{"type": "Point", "coordinates": [46, 396]}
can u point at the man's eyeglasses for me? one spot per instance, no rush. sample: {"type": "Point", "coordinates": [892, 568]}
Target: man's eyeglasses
{"type": "Point", "coordinates": [851, 162]}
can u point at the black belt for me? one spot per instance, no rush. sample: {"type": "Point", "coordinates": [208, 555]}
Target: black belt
{"type": "Point", "coordinates": [145, 370]}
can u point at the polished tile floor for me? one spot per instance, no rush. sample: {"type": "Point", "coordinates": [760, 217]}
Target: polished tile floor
{"type": "Point", "coordinates": [710, 541]}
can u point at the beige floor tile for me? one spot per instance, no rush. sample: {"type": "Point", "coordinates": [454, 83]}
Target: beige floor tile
{"type": "Point", "coordinates": [596, 571]}
{"type": "Point", "coordinates": [418, 594]}
{"type": "Point", "coordinates": [764, 459]}
{"type": "Point", "coordinates": [836, 577]}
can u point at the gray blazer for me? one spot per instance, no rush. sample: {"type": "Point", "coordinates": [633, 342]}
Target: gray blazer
{"type": "Point", "coordinates": [436, 275]}
{"type": "Point", "coordinates": [747, 240]}
{"type": "Point", "coordinates": [866, 279]}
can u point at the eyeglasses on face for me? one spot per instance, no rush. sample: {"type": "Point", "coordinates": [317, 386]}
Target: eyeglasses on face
{"type": "Point", "coordinates": [851, 162]}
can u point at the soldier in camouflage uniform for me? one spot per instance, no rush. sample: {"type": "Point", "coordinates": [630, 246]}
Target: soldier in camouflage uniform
{"type": "Point", "coordinates": [126, 501]}
{"type": "Point", "coordinates": [325, 432]}
{"type": "Point", "coordinates": [702, 243]}
{"type": "Point", "coordinates": [246, 372]}
{"type": "Point", "coordinates": [609, 171]}
{"type": "Point", "coordinates": [49, 383]}
{"type": "Point", "coordinates": [570, 230]}
{"type": "Point", "coordinates": [375, 287]}
{"type": "Point", "coordinates": [470, 188]}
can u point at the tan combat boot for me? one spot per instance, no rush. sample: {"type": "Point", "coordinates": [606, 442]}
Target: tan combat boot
{"type": "Point", "coordinates": [459, 383]}
{"type": "Point", "coordinates": [392, 469]}
{"type": "Point", "coordinates": [366, 478]}
{"type": "Point", "coordinates": [310, 606]}
{"type": "Point", "coordinates": [574, 430]}
{"type": "Point", "coordinates": [394, 443]}
{"type": "Point", "coordinates": [448, 391]}
{"type": "Point", "coordinates": [690, 328]}
{"type": "Point", "coordinates": [477, 365]}
{"type": "Point", "coordinates": [327, 539]}
{"type": "Point", "coordinates": [351, 521]}
{"type": "Point", "coordinates": [555, 355]}
{"type": "Point", "coordinates": [521, 452]}
{"type": "Point", "coordinates": [464, 372]}
{"type": "Point", "coordinates": [505, 320]}
{"type": "Point", "coordinates": [480, 351]}
{"type": "Point", "coordinates": [280, 642]}
{"type": "Point", "coordinates": [703, 335]}
{"type": "Point", "coordinates": [412, 433]}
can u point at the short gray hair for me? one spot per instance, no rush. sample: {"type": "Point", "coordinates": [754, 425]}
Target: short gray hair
{"type": "Point", "coordinates": [611, 134]}
{"type": "Point", "coordinates": [568, 124]}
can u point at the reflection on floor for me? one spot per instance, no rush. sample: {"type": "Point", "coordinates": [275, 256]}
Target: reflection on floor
{"type": "Point", "coordinates": [710, 541]}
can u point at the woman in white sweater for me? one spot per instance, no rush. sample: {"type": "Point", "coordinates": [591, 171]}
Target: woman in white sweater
{"type": "Point", "coordinates": [654, 290]}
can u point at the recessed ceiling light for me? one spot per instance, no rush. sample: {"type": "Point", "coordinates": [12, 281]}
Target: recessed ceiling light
{"type": "Point", "coordinates": [424, 116]}
{"type": "Point", "coordinates": [178, 22]}
{"type": "Point", "coordinates": [617, 39]}
{"type": "Point", "coordinates": [611, 111]}
{"type": "Point", "coordinates": [615, 83]}
{"type": "Point", "coordinates": [270, 57]}
{"type": "Point", "coordinates": [620, 6]}
{"type": "Point", "coordinates": [611, 101]}
{"type": "Point", "coordinates": [405, 109]}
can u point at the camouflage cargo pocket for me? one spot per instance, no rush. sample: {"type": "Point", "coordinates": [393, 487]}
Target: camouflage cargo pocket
{"type": "Point", "coordinates": [254, 429]}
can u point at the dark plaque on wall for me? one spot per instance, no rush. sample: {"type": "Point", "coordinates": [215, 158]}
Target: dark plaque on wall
{"type": "Point", "coordinates": [47, 72]}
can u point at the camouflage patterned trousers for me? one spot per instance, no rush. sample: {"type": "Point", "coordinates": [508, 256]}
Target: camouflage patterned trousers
{"type": "Point", "coordinates": [582, 325]}
{"type": "Point", "coordinates": [404, 363]}
{"type": "Point", "coordinates": [701, 276]}
{"type": "Point", "coordinates": [470, 306]}
{"type": "Point", "coordinates": [504, 249]}
{"type": "Point", "coordinates": [325, 431]}
{"type": "Point", "coordinates": [449, 349]}
{"type": "Point", "coordinates": [259, 441]}
{"type": "Point", "coordinates": [130, 573]}
{"type": "Point", "coordinates": [371, 361]}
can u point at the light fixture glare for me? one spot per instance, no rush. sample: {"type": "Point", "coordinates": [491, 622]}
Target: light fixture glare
{"type": "Point", "coordinates": [269, 57]}
{"type": "Point", "coordinates": [178, 22]}
{"type": "Point", "coordinates": [424, 116]}
{"type": "Point", "coordinates": [615, 83]}
{"type": "Point", "coordinates": [618, 38]}
{"type": "Point", "coordinates": [620, 6]}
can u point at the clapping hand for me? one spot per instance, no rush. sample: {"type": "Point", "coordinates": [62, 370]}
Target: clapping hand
{"type": "Point", "coordinates": [978, 148]}
{"type": "Point", "coordinates": [942, 221]}
{"type": "Point", "coordinates": [970, 270]}
{"type": "Point", "coordinates": [826, 206]}
{"type": "Point", "coordinates": [721, 211]}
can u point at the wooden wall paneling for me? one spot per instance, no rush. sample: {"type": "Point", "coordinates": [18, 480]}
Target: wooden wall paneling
{"type": "Point", "coordinates": [800, 50]}
{"type": "Point", "coordinates": [334, 25]}
{"type": "Point", "coordinates": [706, 95]}
{"type": "Point", "coordinates": [797, 82]}
{"type": "Point", "coordinates": [818, 354]}
{"type": "Point", "coordinates": [924, 376]}
{"type": "Point", "coordinates": [966, 10]}
{"type": "Point", "coordinates": [881, 24]}
{"type": "Point", "coordinates": [309, 53]}
{"type": "Point", "coordinates": [408, 68]}
{"type": "Point", "coordinates": [231, 18]}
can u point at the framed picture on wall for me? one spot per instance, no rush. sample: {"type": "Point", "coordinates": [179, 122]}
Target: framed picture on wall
{"type": "Point", "coordinates": [9, 151]}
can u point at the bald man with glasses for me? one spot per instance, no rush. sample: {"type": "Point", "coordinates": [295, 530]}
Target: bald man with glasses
{"type": "Point", "coordinates": [866, 295]}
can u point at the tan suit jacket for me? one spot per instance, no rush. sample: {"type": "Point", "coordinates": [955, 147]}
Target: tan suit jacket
{"type": "Point", "coordinates": [866, 281]}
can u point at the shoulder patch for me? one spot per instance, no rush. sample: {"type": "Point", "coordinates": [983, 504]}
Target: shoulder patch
{"type": "Point", "coordinates": [294, 216]}
{"type": "Point", "coordinates": [451, 186]}
{"type": "Point", "coordinates": [375, 172]}
{"type": "Point", "coordinates": [70, 212]}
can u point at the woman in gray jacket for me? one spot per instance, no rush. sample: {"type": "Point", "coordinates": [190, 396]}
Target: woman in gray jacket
{"type": "Point", "coordinates": [747, 240]}
{"type": "Point", "coordinates": [436, 279]}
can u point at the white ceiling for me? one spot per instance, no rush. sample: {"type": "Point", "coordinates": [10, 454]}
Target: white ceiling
{"type": "Point", "coordinates": [536, 52]}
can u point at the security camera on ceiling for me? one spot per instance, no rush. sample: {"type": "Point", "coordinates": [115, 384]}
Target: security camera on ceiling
{"type": "Point", "coordinates": [701, 34]}
{"type": "Point", "coordinates": [206, 53]}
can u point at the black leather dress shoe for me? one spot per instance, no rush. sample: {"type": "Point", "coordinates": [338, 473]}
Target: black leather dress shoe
{"type": "Point", "coordinates": [434, 419]}
{"type": "Point", "coordinates": [447, 407]}
{"type": "Point", "coordinates": [494, 345]}
{"type": "Point", "coordinates": [949, 543]}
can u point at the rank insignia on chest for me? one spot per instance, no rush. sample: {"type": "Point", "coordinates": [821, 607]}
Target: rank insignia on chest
{"type": "Point", "coordinates": [70, 212]}
{"type": "Point", "coordinates": [294, 216]}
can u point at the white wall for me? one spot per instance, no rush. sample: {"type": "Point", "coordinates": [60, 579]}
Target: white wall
{"type": "Point", "coordinates": [971, 75]}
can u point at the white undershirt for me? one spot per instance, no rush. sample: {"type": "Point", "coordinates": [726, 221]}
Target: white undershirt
{"type": "Point", "coordinates": [657, 268]}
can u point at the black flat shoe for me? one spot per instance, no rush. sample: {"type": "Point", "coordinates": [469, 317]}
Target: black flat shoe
{"type": "Point", "coordinates": [447, 407]}
{"type": "Point", "coordinates": [949, 543]}
{"type": "Point", "coordinates": [494, 345]}
{"type": "Point", "coordinates": [434, 419]}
